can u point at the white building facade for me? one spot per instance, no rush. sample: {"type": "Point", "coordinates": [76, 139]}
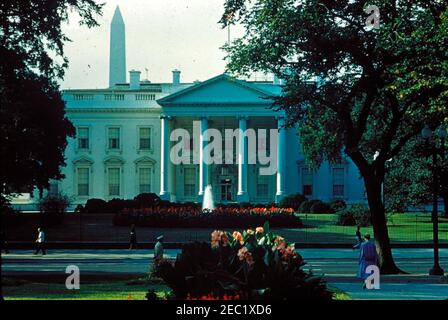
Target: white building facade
{"type": "Point", "coordinates": [122, 145]}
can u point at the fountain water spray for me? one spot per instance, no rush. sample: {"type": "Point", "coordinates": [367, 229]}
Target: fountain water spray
{"type": "Point", "coordinates": [207, 202]}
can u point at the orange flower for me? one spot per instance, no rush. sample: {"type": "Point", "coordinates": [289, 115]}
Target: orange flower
{"type": "Point", "coordinates": [238, 236]}
{"type": "Point", "coordinates": [244, 254]}
{"type": "Point", "coordinates": [259, 230]}
{"type": "Point", "coordinates": [219, 238]}
{"type": "Point", "coordinates": [250, 231]}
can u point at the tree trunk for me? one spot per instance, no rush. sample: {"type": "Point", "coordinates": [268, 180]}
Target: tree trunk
{"type": "Point", "coordinates": [379, 223]}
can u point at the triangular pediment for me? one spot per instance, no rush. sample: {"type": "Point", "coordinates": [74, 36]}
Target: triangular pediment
{"type": "Point", "coordinates": [222, 89]}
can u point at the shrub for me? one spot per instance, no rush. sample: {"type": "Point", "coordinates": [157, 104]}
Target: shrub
{"type": "Point", "coordinates": [145, 200]}
{"type": "Point", "coordinates": [337, 204]}
{"type": "Point", "coordinates": [117, 205]}
{"type": "Point", "coordinates": [292, 201]}
{"type": "Point", "coordinates": [356, 215]}
{"type": "Point", "coordinates": [96, 206]}
{"type": "Point", "coordinates": [191, 215]}
{"type": "Point", "coordinates": [80, 209]}
{"type": "Point", "coordinates": [305, 207]}
{"type": "Point", "coordinates": [320, 207]}
{"type": "Point", "coordinates": [52, 209]}
{"type": "Point", "coordinates": [249, 265]}
{"type": "Point", "coordinates": [54, 203]}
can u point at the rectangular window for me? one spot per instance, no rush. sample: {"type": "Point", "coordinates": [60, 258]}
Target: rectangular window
{"type": "Point", "coordinates": [83, 138]}
{"type": "Point", "coordinates": [144, 178]}
{"type": "Point", "coordinates": [262, 186]}
{"type": "Point", "coordinates": [307, 182]}
{"type": "Point", "coordinates": [83, 181]}
{"type": "Point", "coordinates": [338, 182]}
{"type": "Point", "coordinates": [190, 182]}
{"type": "Point", "coordinates": [114, 181]}
{"type": "Point", "coordinates": [145, 138]}
{"type": "Point", "coordinates": [114, 138]}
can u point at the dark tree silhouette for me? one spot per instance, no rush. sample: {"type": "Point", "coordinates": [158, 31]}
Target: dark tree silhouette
{"type": "Point", "coordinates": [375, 88]}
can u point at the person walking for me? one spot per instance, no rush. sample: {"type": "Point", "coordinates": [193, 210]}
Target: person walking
{"type": "Point", "coordinates": [133, 238]}
{"type": "Point", "coordinates": [367, 257]}
{"type": "Point", "coordinates": [40, 242]}
{"type": "Point", "coordinates": [158, 250]}
{"type": "Point", "coordinates": [358, 238]}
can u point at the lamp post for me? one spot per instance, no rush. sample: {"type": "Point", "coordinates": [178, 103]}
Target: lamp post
{"type": "Point", "coordinates": [427, 134]}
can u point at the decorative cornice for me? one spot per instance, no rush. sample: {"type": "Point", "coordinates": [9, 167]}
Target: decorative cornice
{"type": "Point", "coordinates": [112, 110]}
{"type": "Point", "coordinates": [219, 103]}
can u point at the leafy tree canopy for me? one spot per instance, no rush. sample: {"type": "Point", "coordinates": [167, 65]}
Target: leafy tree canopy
{"type": "Point", "coordinates": [376, 87]}
{"type": "Point", "coordinates": [33, 125]}
{"type": "Point", "coordinates": [349, 86]}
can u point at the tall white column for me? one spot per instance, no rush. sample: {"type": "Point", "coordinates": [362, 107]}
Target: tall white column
{"type": "Point", "coordinates": [164, 156]}
{"type": "Point", "coordinates": [281, 160]}
{"type": "Point", "coordinates": [242, 195]}
{"type": "Point", "coordinates": [203, 167]}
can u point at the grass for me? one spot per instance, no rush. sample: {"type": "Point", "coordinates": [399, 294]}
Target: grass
{"type": "Point", "coordinates": [403, 227]}
{"type": "Point", "coordinates": [338, 294]}
{"type": "Point", "coordinates": [100, 290]}
{"type": "Point", "coordinates": [19, 289]}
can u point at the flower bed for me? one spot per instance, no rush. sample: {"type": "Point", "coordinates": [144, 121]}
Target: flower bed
{"type": "Point", "coordinates": [252, 264]}
{"type": "Point", "coordinates": [191, 215]}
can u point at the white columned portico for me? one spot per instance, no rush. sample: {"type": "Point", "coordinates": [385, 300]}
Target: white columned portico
{"type": "Point", "coordinates": [281, 160]}
{"type": "Point", "coordinates": [165, 156]}
{"type": "Point", "coordinates": [203, 167]}
{"type": "Point", "coordinates": [242, 195]}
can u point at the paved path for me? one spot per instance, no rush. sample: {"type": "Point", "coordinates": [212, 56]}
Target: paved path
{"type": "Point", "coordinates": [338, 265]}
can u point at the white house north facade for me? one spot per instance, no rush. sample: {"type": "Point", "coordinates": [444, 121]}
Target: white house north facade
{"type": "Point", "coordinates": [124, 139]}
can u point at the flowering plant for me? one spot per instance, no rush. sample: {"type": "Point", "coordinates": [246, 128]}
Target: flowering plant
{"type": "Point", "coordinates": [250, 264]}
{"type": "Point", "coordinates": [192, 215]}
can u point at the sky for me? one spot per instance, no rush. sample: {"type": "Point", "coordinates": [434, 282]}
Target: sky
{"type": "Point", "coordinates": [161, 35]}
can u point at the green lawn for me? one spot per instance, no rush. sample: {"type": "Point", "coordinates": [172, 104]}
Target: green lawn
{"type": "Point", "coordinates": [101, 290]}
{"type": "Point", "coordinates": [403, 227]}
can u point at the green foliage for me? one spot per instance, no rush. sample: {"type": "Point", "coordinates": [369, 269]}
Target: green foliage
{"type": "Point", "coordinates": [33, 124]}
{"type": "Point", "coordinates": [292, 201]}
{"type": "Point", "coordinates": [52, 209]}
{"type": "Point", "coordinates": [192, 216]}
{"type": "Point", "coordinates": [349, 87]}
{"type": "Point", "coordinates": [249, 265]}
{"type": "Point", "coordinates": [355, 215]}
{"type": "Point", "coordinates": [145, 200]}
{"type": "Point", "coordinates": [337, 205]}
{"type": "Point", "coordinates": [314, 206]}
{"type": "Point", "coordinates": [320, 207]}
{"type": "Point", "coordinates": [57, 203]}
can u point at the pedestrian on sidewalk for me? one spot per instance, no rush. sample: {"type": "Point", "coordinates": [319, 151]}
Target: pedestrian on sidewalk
{"type": "Point", "coordinates": [3, 242]}
{"type": "Point", "coordinates": [158, 250]}
{"type": "Point", "coordinates": [133, 238]}
{"type": "Point", "coordinates": [40, 242]}
{"type": "Point", "coordinates": [358, 238]}
{"type": "Point", "coordinates": [367, 257]}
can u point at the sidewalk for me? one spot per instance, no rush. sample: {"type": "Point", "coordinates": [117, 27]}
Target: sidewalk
{"type": "Point", "coordinates": [339, 267]}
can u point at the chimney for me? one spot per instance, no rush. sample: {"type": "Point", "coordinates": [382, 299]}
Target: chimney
{"type": "Point", "coordinates": [176, 77]}
{"type": "Point", "coordinates": [134, 80]}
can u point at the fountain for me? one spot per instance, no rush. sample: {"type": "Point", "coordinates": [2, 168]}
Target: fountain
{"type": "Point", "coordinates": [207, 202]}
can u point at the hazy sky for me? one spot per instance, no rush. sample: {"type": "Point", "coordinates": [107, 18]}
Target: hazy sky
{"type": "Point", "coordinates": [161, 35]}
